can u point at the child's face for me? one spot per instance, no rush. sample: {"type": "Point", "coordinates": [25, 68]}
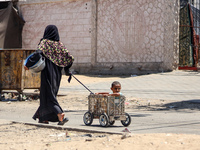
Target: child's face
{"type": "Point", "coordinates": [116, 88]}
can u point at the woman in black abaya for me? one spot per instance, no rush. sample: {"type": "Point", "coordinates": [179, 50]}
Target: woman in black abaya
{"type": "Point", "coordinates": [57, 57]}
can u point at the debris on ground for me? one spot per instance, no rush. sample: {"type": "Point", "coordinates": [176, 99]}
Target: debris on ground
{"type": "Point", "coordinates": [11, 96]}
{"type": "Point", "coordinates": [20, 136]}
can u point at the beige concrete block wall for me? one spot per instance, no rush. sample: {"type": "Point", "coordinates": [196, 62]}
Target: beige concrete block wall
{"type": "Point", "coordinates": [109, 36]}
{"type": "Point", "coordinates": [137, 35]}
{"type": "Point", "coordinates": [73, 19]}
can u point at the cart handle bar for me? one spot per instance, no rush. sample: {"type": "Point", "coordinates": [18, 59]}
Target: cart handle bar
{"type": "Point", "coordinates": [82, 84]}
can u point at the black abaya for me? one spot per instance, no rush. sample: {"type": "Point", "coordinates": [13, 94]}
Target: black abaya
{"type": "Point", "coordinates": [51, 75]}
{"type": "Point", "coordinates": [50, 82]}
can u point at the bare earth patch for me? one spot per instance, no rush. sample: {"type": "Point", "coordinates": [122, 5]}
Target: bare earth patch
{"type": "Point", "coordinates": [25, 137]}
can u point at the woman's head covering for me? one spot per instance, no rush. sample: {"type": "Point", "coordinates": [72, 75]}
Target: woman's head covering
{"type": "Point", "coordinates": [53, 48]}
{"type": "Point", "coordinates": [56, 52]}
{"type": "Point", "coordinates": [51, 33]}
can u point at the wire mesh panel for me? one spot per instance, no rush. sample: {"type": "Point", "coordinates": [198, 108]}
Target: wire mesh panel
{"type": "Point", "coordinates": [116, 105]}
{"type": "Point", "coordinates": [111, 105]}
{"type": "Point", "coordinates": [189, 34]}
{"type": "Point", "coordinates": [97, 104]}
{"type": "Point", "coordinates": [186, 53]}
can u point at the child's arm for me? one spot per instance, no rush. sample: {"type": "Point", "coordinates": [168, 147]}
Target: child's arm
{"type": "Point", "coordinates": [104, 93]}
{"type": "Point", "coordinates": [114, 94]}
{"type": "Point", "coordinates": [107, 94]}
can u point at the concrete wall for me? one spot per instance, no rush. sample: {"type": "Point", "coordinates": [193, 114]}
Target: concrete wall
{"type": "Point", "coordinates": [109, 36]}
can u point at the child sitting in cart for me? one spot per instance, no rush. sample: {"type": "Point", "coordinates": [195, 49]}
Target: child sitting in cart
{"type": "Point", "coordinates": [107, 107]}
{"type": "Point", "coordinates": [115, 87]}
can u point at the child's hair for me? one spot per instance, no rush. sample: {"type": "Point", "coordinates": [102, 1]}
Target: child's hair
{"type": "Point", "coordinates": [115, 83]}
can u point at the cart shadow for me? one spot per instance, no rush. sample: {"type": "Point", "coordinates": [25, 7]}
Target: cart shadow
{"type": "Point", "coordinates": [140, 115]}
{"type": "Point", "coordinates": [110, 126]}
{"type": "Point", "coordinates": [74, 110]}
{"type": "Point", "coordinates": [132, 115]}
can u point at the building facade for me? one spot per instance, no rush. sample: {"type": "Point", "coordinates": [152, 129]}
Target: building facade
{"type": "Point", "coordinates": [109, 36]}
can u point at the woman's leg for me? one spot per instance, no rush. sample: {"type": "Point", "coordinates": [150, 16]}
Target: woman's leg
{"type": "Point", "coordinates": [61, 116]}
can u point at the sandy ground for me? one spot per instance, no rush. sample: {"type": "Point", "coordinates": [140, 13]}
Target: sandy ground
{"type": "Point", "coordinates": [26, 137]}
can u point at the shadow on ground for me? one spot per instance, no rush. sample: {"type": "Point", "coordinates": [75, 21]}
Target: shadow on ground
{"type": "Point", "coordinates": [181, 105]}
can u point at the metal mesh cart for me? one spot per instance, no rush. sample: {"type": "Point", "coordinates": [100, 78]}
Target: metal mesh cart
{"type": "Point", "coordinates": [107, 109]}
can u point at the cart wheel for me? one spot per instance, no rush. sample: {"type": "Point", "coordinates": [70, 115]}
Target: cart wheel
{"type": "Point", "coordinates": [88, 118]}
{"type": "Point", "coordinates": [126, 122]}
{"type": "Point", "coordinates": [103, 120]}
{"type": "Point", "coordinates": [112, 122]}
{"type": "Point", "coordinates": [20, 97]}
{"type": "Point", "coordinates": [0, 94]}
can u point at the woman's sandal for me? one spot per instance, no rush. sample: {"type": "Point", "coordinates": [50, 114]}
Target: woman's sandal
{"type": "Point", "coordinates": [63, 122]}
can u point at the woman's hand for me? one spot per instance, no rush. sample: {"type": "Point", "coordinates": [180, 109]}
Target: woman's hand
{"type": "Point", "coordinates": [26, 68]}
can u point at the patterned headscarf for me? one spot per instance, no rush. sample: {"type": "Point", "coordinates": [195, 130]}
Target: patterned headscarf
{"type": "Point", "coordinates": [53, 49]}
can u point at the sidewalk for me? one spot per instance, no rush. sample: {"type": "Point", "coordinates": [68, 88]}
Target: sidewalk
{"type": "Point", "coordinates": [176, 85]}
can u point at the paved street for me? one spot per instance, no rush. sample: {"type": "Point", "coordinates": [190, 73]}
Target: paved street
{"type": "Point", "coordinates": [176, 85]}
{"type": "Point", "coordinates": [173, 86]}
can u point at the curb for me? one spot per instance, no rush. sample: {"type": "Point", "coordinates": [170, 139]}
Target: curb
{"type": "Point", "coordinates": [66, 128]}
